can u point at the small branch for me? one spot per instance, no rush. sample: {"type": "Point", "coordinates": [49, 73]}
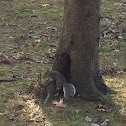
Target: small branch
{"type": "Point", "coordinates": [47, 99]}
{"type": "Point", "coordinates": [39, 78]}
{"type": "Point", "coordinates": [12, 79]}
{"type": "Point", "coordinates": [105, 102]}
{"type": "Point", "coordinates": [50, 91]}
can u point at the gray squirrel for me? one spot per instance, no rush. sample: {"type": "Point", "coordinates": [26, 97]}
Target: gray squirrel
{"type": "Point", "coordinates": [68, 89]}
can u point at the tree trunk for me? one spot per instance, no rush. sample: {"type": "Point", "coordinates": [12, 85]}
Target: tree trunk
{"type": "Point", "coordinates": [77, 56]}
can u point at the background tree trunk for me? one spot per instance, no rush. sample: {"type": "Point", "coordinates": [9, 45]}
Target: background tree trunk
{"type": "Point", "coordinates": [77, 56]}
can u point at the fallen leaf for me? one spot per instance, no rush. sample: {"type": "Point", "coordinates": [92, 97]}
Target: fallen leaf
{"type": "Point", "coordinates": [103, 108]}
{"type": "Point", "coordinates": [97, 119]}
{"type": "Point", "coordinates": [120, 37]}
{"type": "Point", "coordinates": [45, 5]}
{"type": "Point", "coordinates": [4, 59]}
{"type": "Point", "coordinates": [105, 123]}
{"type": "Point", "coordinates": [88, 119]}
{"type": "Point", "coordinates": [2, 55]}
{"type": "Point", "coordinates": [60, 103]}
{"type": "Point", "coordinates": [52, 50]}
{"type": "Point", "coordinates": [5, 113]}
{"type": "Point", "coordinates": [77, 111]}
{"type": "Point", "coordinates": [38, 40]}
{"type": "Point", "coordinates": [94, 124]}
{"type": "Point", "coordinates": [28, 62]}
{"type": "Point", "coordinates": [19, 56]}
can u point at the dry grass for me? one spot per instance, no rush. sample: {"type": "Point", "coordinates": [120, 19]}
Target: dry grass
{"type": "Point", "coordinates": [30, 32]}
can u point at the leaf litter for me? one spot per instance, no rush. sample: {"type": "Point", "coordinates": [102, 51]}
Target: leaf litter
{"type": "Point", "coordinates": [108, 32]}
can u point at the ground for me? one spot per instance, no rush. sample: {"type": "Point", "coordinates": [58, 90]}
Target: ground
{"type": "Point", "coordinates": [29, 34]}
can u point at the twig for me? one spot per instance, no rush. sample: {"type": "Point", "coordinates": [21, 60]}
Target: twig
{"type": "Point", "coordinates": [12, 79]}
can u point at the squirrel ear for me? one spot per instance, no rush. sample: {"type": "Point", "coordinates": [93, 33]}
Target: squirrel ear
{"type": "Point", "coordinates": [50, 69]}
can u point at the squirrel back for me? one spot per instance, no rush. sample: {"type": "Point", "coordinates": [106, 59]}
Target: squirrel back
{"type": "Point", "coordinates": [57, 76]}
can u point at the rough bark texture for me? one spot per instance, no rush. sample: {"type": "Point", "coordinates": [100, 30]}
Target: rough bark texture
{"type": "Point", "coordinates": [77, 55]}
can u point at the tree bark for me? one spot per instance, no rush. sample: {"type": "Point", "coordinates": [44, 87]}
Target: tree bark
{"type": "Point", "coordinates": [77, 56]}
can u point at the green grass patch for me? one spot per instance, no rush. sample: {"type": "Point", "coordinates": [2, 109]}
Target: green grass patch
{"type": "Point", "coordinates": [44, 44]}
{"type": "Point", "coordinates": [24, 22]}
{"type": "Point", "coordinates": [106, 49]}
{"type": "Point", "coordinates": [121, 46]}
{"type": "Point", "coordinates": [25, 8]}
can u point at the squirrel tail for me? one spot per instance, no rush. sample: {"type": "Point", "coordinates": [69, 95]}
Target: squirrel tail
{"type": "Point", "coordinates": [69, 90]}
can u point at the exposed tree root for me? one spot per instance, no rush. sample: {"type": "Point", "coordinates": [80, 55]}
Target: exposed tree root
{"type": "Point", "coordinates": [101, 86]}
{"type": "Point", "coordinates": [50, 91]}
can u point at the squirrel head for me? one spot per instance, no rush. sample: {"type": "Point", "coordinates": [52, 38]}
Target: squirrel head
{"type": "Point", "coordinates": [47, 73]}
